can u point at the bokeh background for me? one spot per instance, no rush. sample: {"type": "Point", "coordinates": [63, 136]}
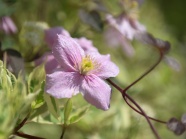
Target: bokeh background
{"type": "Point", "coordinates": [161, 94]}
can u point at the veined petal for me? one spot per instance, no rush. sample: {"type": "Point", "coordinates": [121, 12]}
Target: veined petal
{"type": "Point", "coordinates": [68, 53]}
{"type": "Point", "coordinates": [105, 67]}
{"type": "Point", "coordinates": [96, 92]}
{"type": "Point", "coordinates": [62, 84]}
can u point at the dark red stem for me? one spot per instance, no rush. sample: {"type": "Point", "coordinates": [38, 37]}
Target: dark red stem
{"type": "Point", "coordinates": [126, 96]}
{"type": "Point", "coordinates": [160, 121]}
{"type": "Point", "coordinates": [26, 136]}
{"type": "Point", "coordinates": [21, 134]}
{"type": "Point", "coordinates": [147, 72]}
{"type": "Point", "coordinates": [22, 123]}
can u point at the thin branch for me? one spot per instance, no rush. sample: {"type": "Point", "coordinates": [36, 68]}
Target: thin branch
{"type": "Point", "coordinates": [21, 134]}
{"type": "Point", "coordinates": [147, 72]}
{"type": "Point", "coordinates": [133, 101]}
{"type": "Point", "coordinates": [144, 114]}
{"type": "Point", "coordinates": [115, 85]}
{"type": "Point", "coordinates": [64, 129]}
{"type": "Point", "coordinates": [160, 121]}
{"type": "Point", "coordinates": [22, 123]}
{"type": "Point", "coordinates": [119, 89]}
{"type": "Point", "coordinates": [26, 136]}
{"type": "Point", "coordinates": [125, 95]}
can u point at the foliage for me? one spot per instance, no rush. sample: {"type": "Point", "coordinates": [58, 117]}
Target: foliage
{"type": "Point", "coordinates": [26, 107]}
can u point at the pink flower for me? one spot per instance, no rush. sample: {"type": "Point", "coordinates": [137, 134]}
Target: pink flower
{"type": "Point", "coordinates": [116, 39]}
{"type": "Point", "coordinates": [50, 38]}
{"type": "Point", "coordinates": [7, 25]}
{"type": "Point", "coordinates": [121, 30]}
{"type": "Point", "coordinates": [50, 64]}
{"type": "Point", "coordinates": [48, 58]}
{"type": "Point", "coordinates": [51, 34]}
{"type": "Point", "coordinates": [80, 72]}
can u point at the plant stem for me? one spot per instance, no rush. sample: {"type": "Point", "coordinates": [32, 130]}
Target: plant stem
{"type": "Point", "coordinates": [26, 136]}
{"type": "Point", "coordinates": [144, 114]}
{"type": "Point", "coordinates": [160, 121]}
{"type": "Point", "coordinates": [119, 89]}
{"type": "Point", "coordinates": [22, 123]}
{"type": "Point", "coordinates": [64, 129]}
{"type": "Point", "coordinates": [126, 96]}
{"type": "Point", "coordinates": [144, 74]}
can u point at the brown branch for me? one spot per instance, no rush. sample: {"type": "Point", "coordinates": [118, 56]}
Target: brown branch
{"type": "Point", "coordinates": [26, 136]}
{"type": "Point", "coordinates": [125, 95]}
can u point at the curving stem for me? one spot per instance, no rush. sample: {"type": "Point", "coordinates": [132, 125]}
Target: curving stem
{"type": "Point", "coordinates": [126, 96]}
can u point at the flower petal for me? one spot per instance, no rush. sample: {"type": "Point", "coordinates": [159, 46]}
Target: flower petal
{"type": "Point", "coordinates": [127, 47]}
{"type": "Point", "coordinates": [68, 53]}
{"type": "Point", "coordinates": [96, 92]}
{"type": "Point", "coordinates": [62, 84]}
{"type": "Point", "coordinates": [51, 34]}
{"type": "Point", "coordinates": [85, 44]}
{"type": "Point", "coordinates": [105, 67]}
{"type": "Point", "coordinates": [8, 25]}
{"type": "Point", "coordinates": [50, 64]}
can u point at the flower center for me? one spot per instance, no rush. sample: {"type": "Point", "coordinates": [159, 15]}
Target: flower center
{"type": "Point", "coordinates": [86, 65]}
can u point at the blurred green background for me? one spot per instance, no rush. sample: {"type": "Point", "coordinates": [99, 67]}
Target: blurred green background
{"type": "Point", "coordinates": [161, 94]}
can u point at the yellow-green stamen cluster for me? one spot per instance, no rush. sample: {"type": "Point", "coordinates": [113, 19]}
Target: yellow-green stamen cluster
{"type": "Point", "coordinates": [87, 65]}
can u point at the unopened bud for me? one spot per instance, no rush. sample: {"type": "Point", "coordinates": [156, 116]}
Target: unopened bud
{"type": "Point", "coordinates": [176, 126]}
{"type": "Point", "coordinates": [163, 46]}
{"type": "Point", "coordinates": [147, 38]}
{"type": "Point", "coordinates": [32, 39]}
{"type": "Point", "coordinates": [183, 119]}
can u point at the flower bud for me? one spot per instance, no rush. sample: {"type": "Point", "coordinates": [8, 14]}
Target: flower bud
{"type": "Point", "coordinates": [32, 38]}
{"type": "Point", "coordinates": [176, 126]}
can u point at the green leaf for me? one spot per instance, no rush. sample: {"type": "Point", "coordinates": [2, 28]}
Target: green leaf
{"type": "Point", "coordinates": [39, 99]}
{"type": "Point", "coordinates": [53, 105]}
{"type": "Point", "coordinates": [36, 78]}
{"type": "Point", "coordinates": [48, 131]}
{"type": "Point", "coordinates": [7, 79]}
{"type": "Point", "coordinates": [78, 115]}
{"type": "Point", "coordinates": [67, 111]}
{"type": "Point", "coordinates": [15, 103]}
{"type": "Point", "coordinates": [39, 110]}
{"type": "Point", "coordinates": [12, 77]}
{"type": "Point", "coordinates": [36, 83]}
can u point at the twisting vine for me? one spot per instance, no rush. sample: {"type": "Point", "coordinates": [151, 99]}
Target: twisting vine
{"type": "Point", "coordinates": [126, 97]}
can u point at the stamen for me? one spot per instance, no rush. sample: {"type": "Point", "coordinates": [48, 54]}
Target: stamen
{"type": "Point", "coordinates": [87, 65]}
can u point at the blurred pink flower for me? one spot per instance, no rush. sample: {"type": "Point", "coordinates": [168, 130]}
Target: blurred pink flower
{"type": "Point", "coordinates": [7, 25]}
{"type": "Point", "coordinates": [121, 30]}
{"type": "Point", "coordinates": [50, 64]}
{"type": "Point", "coordinates": [48, 58]}
{"type": "Point", "coordinates": [86, 44]}
{"type": "Point", "coordinates": [80, 72]}
{"type": "Point", "coordinates": [115, 39]}
{"type": "Point", "coordinates": [51, 34]}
